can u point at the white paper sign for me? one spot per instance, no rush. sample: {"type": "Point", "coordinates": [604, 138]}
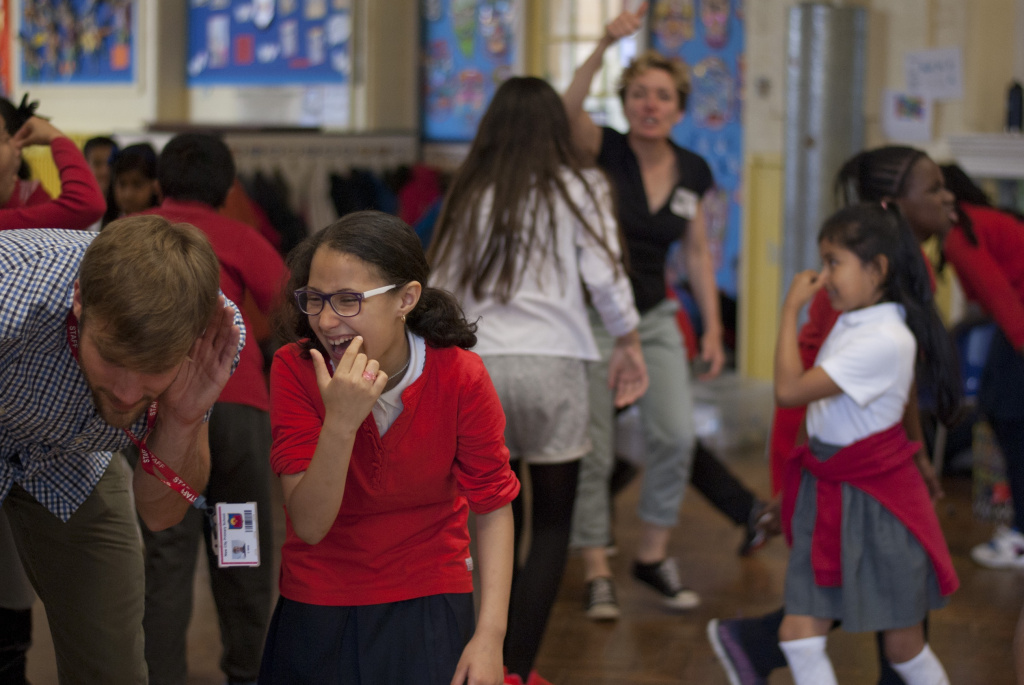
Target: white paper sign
{"type": "Point", "coordinates": [907, 117]}
{"type": "Point", "coordinates": [937, 74]}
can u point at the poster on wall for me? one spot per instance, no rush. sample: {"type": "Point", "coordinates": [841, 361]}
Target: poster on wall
{"type": "Point", "coordinates": [469, 48]}
{"type": "Point", "coordinates": [269, 42]}
{"type": "Point", "coordinates": [5, 49]}
{"type": "Point", "coordinates": [709, 36]}
{"type": "Point", "coordinates": [77, 41]}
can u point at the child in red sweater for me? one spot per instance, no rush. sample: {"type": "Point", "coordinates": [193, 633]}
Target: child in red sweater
{"type": "Point", "coordinates": [386, 431]}
{"type": "Point", "coordinates": [25, 203]}
{"type": "Point", "coordinates": [867, 547]}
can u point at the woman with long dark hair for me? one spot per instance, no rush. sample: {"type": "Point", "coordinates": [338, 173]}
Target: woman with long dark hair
{"type": "Point", "coordinates": [525, 238]}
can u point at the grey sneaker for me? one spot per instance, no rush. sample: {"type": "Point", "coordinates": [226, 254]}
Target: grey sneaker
{"type": "Point", "coordinates": [664, 577]}
{"type": "Point", "coordinates": [600, 603]}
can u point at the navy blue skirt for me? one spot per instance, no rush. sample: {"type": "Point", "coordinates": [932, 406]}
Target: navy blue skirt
{"type": "Point", "coordinates": [414, 641]}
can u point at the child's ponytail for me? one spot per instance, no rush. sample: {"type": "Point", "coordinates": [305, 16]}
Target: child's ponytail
{"type": "Point", "coordinates": [438, 319]}
{"type": "Point", "coordinates": [873, 229]}
{"type": "Point", "coordinates": [910, 284]}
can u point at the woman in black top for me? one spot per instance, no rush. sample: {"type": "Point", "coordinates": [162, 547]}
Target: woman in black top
{"type": "Point", "coordinates": [660, 188]}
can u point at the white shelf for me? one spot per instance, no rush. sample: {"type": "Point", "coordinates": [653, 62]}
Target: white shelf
{"type": "Point", "coordinates": [990, 155]}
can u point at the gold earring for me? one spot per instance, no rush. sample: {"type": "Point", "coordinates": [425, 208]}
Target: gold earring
{"type": "Point", "coordinates": [403, 318]}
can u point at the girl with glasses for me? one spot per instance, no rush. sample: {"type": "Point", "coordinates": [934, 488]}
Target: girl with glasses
{"type": "Point", "coordinates": [386, 433]}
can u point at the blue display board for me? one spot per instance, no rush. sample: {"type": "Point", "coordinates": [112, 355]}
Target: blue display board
{"type": "Point", "coordinates": [709, 36]}
{"type": "Point", "coordinates": [77, 41]}
{"type": "Point", "coordinates": [269, 42]}
{"type": "Point", "coordinates": [468, 50]}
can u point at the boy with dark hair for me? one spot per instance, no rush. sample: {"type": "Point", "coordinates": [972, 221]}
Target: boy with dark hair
{"type": "Point", "coordinates": [196, 172]}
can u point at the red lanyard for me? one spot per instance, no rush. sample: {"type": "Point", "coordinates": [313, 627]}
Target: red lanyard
{"type": "Point", "coordinates": [151, 463]}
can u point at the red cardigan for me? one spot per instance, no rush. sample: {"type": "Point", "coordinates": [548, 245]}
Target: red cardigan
{"type": "Point", "coordinates": [992, 272]}
{"type": "Point", "coordinates": [401, 531]}
{"type": "Point", "coordinates": [882, 465]}
{"type": "Point", "coordinates": [248, 264]}
{"type": "Point", "coordinates": [786, 422]}
{"type": "Point", "coordinates": [79, 205]}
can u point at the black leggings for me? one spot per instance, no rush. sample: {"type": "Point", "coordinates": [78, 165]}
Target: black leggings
{"type": "Point", "coordinates": [535, 584]}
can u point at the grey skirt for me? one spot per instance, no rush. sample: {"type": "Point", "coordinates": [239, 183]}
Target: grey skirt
{"type": "Point", "coordinates": [888, 578]}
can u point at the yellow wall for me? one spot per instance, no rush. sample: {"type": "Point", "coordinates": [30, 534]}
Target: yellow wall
{"type": "Point", "coordinates": [990, 35]}
{"type": "Point", "coordinates": [761, 253]}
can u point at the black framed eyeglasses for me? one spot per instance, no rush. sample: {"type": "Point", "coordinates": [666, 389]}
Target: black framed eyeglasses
{"type": "Point", "coordinates": [344, 303]}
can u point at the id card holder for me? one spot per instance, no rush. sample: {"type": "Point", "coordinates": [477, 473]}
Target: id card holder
{"type": "Point", "coordinates": [236, 534]}
{"type": "Point", "coordinates": [684, 203]}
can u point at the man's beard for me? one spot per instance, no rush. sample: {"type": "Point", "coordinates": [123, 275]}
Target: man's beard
{"type": "Point", "coordinates": [115, 417]}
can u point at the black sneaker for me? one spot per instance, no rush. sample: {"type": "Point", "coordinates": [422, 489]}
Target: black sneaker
{"type": "Point", "coordinates": [600, 602]}
{"type": "Point", "coordinates": [725, 640]}
{"type": "Point", "coordinates": [762, 523]}
{"type": "Point", "coordinates": [663, 576]}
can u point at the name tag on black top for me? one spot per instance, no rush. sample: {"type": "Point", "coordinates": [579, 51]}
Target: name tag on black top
{"type": "Point", "coordinates": [684, 203]}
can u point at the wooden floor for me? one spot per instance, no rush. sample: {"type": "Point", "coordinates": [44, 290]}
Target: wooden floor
{"type": "Point", "coordinates": [649, 646]}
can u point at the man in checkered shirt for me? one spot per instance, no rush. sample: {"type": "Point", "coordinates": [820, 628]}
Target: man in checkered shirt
{"type": "Point", "coordinates": [93, 330]}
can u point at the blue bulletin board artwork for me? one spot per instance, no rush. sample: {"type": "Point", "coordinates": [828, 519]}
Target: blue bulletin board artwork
{"type": "Point", "coordinates": [269, 42]}
{"type": "Point", "coordinates": [77, 41]}
{"type": "Point", "coordinates": [709, 36]}
{"type": "Point", "coordinates": [469, 49]}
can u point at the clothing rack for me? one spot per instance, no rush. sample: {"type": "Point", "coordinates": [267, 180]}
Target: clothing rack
{"type": "Point", "coordinates": [306, 160]}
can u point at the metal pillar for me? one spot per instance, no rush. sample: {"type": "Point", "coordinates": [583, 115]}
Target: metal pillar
{"type": "Point", "coordinates": [824, 121]}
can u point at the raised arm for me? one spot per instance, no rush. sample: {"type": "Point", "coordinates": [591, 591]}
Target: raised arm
{"type": "Point", "coordinates": [80, 202]}
{"type": "Point", "coordinates": [586, 135]}
{"type": "Point", "coordinates": [179, 437]}
{"type": "Point", "coordinates": [313, 497]}
{"type": "Point", "coordinates": [795, 386]}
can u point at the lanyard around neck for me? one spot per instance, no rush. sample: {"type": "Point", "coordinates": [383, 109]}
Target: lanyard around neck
{"type": "Point", "coordinates": [151, 463]}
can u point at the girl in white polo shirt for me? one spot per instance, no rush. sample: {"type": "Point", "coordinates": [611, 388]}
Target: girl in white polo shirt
{"type": "Point", "coordinates": [867, 549]}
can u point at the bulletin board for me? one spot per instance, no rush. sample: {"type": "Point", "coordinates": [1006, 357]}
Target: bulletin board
{"type": "Point", "coordinates": [5, 49]}
{"type": "Point", "coordinates": [269, 42]}
{"type": "Point", "coordinates": [709, 36]}
{"type": "Point", "coordinates": [469, 47]}
{"type": "Point", "coordinates": [77, 41]}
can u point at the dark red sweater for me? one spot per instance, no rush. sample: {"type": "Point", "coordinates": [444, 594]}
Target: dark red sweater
{"type": "Point", "coordinates": [992, 272]}
{"type": "Point", "coordinates": [79, 205]}
{"type": "Point", "coordinates": [882, 465]}
{"type": "Point", "coordinates": [248, 264]}
{"type": "Point", "coordinates": [401, 530]}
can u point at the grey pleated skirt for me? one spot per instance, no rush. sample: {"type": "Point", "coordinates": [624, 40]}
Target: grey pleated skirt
{"type": "Point", "coordinates": [888, 578]}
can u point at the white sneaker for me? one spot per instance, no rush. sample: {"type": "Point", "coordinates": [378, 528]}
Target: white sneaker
{"type": "Point", "coordinates": [1004, 550]}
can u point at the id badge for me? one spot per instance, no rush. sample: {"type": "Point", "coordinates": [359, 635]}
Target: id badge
{"type": "Point", "coordinates": [684, 203]}
{"type": "Point", "coordinates": [236, 535]}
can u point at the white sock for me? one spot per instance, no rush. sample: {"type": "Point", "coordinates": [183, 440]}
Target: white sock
{"type": "Point", "coordinates": [808, 661]}
{"type": "Point", "coordinates": [923, 669]}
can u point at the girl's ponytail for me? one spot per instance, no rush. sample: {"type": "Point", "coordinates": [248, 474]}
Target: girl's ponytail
{"type": "Point", "coordinates": [875, 229]}
{"type": "Point", "coordinates": [438, 318]}
{"type": "Point", "coordinates": [910, 284]}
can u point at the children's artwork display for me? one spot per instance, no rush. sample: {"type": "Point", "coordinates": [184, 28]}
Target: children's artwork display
{"type": "Point", "coordinates": [469, 47]}
{"type": "Point", "coordinates": [709, 36]}
{"type": "Point", "coordinates": [77, 41]}
{"type": "Point", "coordinates": [269, 42]}
{"type": "Point", "coordinates": [5, 49]}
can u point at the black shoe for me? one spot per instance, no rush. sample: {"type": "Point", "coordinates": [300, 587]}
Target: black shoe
{"type": "Point", "coordinates": [663, 576]}
{"type": "Point", "coordinates": [600, 602]}
{"type": "Point", "coordinates": [762, 524]}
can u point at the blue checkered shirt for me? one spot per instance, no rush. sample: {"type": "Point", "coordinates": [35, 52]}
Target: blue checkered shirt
{"type": "Point", "coordinates": [53, 443]}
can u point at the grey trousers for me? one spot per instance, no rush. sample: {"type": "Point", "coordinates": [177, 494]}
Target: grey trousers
{"type": "Point", "coordinates": [666, 412]}
{"type": "Point", "coordinates": [88, 573]}
{"type": "Point", "coordinates": [239, 472]}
